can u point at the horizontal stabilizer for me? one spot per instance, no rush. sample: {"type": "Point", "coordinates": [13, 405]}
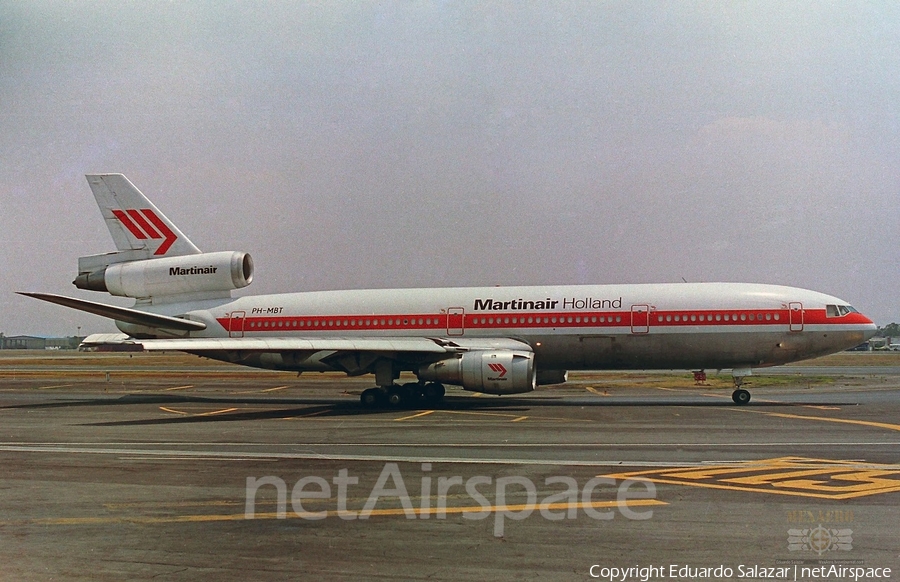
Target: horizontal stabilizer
{"type": "Point", "coordinates": [125, 314]}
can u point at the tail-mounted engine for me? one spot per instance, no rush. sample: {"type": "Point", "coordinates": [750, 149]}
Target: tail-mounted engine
{"type": "Point", "coordinates": [488, 371]}
{"type": "Point", "coordinates": [204, 273]}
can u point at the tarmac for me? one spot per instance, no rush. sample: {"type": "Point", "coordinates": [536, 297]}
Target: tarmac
{"type": "Point", "coordinates": [149, 467]}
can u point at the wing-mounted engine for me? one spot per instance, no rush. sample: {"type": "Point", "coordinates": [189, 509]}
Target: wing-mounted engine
{"type": "Point", "coordinates": [488, 371]}
{"type": "Point", "coordinates": [203, 275]}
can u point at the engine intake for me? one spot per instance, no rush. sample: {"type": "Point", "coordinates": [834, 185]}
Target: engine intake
{"type": "Point", "coordinates": [200, 273]}
{"type": "Point", "coordinates": [488, 371]}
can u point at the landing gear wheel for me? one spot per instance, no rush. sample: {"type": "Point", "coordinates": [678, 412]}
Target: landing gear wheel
{"type": "Point", "coordinates": [371, 398]}
{"type": "Point", "coordinates": [433, 393]}
{"type": "Point", "coordinates": [740, 396]}
{"type": "Point", "coordinates": [398, 396]}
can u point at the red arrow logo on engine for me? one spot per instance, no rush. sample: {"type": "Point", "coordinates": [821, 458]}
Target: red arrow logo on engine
{"type": "Point", "coordinates": [499, 368]}
{"type": "Point", "coordinates": [144, 224]}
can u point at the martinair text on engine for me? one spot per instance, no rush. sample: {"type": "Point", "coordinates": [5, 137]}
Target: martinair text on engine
{"type": "Point", "coordinates": [177, 271]}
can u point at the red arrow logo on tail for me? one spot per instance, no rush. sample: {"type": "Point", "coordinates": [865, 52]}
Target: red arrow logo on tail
{"type": "Point", "coordinates": [499, 368]}
{"type": "Point", "coordinates": [144, 224]}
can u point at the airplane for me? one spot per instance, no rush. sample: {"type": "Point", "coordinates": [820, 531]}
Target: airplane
{"type": "Point", "coordinates": [494, 340]}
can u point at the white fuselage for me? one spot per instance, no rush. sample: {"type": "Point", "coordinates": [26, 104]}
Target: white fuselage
{"type": "Point", "coordinates": [585, 327]}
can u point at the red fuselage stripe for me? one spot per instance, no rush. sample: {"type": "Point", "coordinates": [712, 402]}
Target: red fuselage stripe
{"type": "Point", "coordinates": [657, 319]}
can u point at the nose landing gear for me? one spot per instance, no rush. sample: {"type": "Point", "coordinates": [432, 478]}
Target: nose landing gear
{"type": "Point", "coordinates": [740, 396]}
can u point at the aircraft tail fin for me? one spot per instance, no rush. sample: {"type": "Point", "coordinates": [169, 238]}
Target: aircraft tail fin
{"type": "Point", "coordinates": [154, 261]}
{"type": "Point", "coordinates": [139, 230]}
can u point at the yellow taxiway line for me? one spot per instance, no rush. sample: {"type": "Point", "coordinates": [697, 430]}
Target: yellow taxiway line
{"type": "Point", "coordinates": [399, 511]}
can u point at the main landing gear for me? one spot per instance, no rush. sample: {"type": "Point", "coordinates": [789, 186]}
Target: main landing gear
{"type": "Point", "coordinates": [740, 396]}
{"type": "Point", "coordinates": [406, 396]}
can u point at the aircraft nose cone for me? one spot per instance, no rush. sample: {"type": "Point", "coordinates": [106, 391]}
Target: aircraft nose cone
{"type": "Point", "coordinates": [867, 326]}
{"type": "Point", "coordinates": [870, 331]}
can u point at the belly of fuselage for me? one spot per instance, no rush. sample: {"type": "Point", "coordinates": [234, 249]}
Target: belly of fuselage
{"type": "Point", "coordinates": [687, 350]}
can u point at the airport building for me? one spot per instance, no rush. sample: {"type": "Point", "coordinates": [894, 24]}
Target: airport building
{"type": "Point", "coordinates": [28, 342]}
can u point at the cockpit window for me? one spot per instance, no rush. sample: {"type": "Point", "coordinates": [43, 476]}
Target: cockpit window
{"type": "Point", "coordinates": [839, 310]}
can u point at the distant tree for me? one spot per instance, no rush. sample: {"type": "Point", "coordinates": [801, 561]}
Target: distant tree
{"type": "Point", "coordinates": [890, 330]}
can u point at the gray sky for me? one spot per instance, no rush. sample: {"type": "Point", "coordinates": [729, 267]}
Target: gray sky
{"type": "Point", "coordinates": [353, 145]}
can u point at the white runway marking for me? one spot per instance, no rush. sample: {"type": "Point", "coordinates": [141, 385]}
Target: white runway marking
{"type": "Point", "coordinates": [238, 455]}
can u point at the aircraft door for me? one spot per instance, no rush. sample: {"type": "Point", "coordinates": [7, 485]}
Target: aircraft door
{"type": "Point", "coordinates": [796, 315]}
{"type": "Point", "coordinates": [456, 321]}
{"type": "Point", "coordinates": [640, 319]}
{"type": "Point", "coordinates": [236, 327]}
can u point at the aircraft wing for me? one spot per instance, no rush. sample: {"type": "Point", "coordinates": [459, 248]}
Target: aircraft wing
{"type": "Point", "coordinates": [291, 344]}
{"type": "Point", "coordinates": [409, 345]}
